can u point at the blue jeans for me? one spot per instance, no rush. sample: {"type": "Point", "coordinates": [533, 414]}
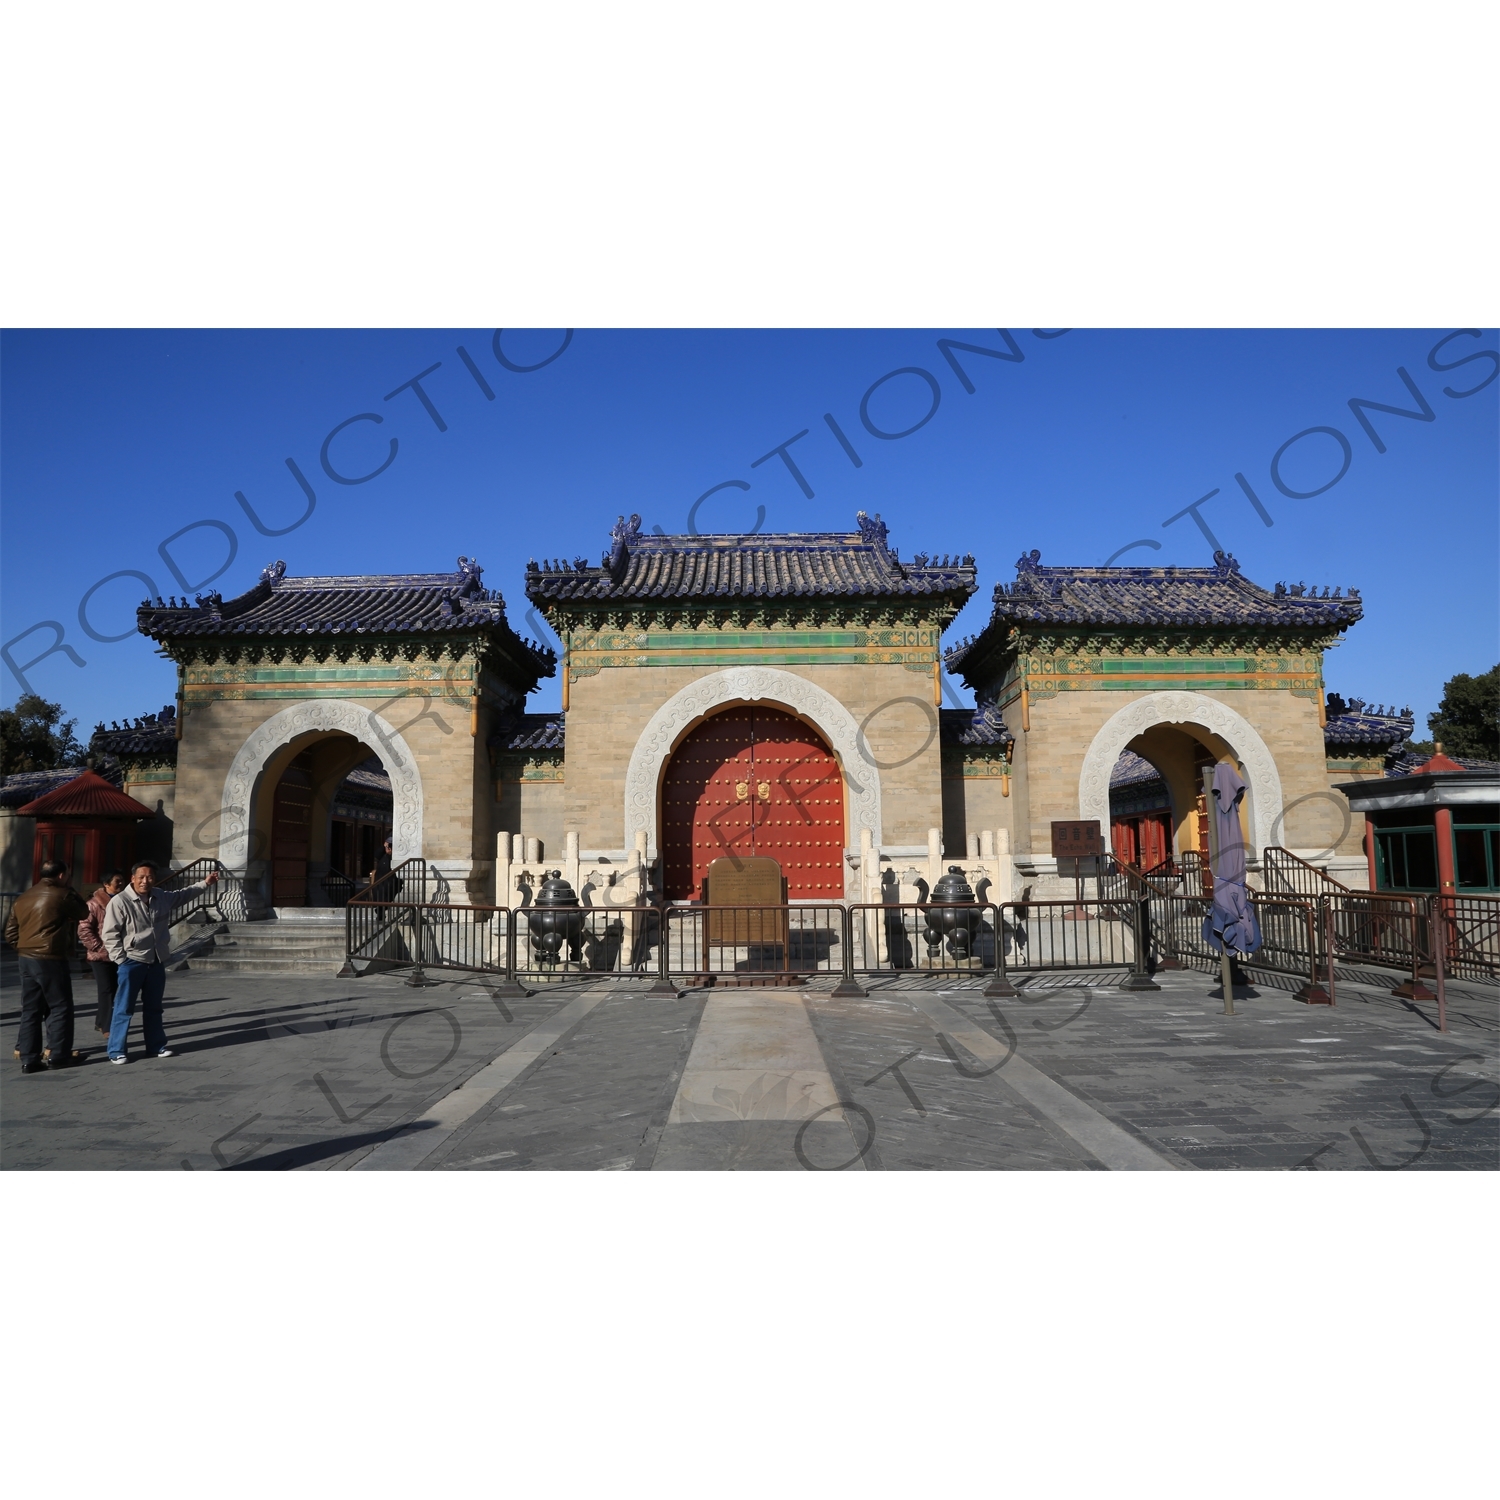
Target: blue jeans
{"type": "Point", "coordinates": [149, 981]}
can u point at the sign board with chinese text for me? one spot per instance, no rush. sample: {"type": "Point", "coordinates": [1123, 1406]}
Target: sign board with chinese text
{"type": "Point", "coordinates": [1082, 838]}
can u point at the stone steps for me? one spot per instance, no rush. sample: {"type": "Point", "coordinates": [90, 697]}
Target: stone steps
{"type": "Point", "coordinates": [303, 945]}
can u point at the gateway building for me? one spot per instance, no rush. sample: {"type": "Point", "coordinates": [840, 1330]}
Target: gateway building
{"type": "Point", "coordinates": [778, 695]}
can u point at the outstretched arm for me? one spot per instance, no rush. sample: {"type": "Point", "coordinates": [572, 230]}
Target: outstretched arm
{"type": "Point", "coordinates": [189, 891]}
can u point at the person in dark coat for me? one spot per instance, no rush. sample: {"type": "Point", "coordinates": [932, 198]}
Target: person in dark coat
{"type": "Point", "coordinates": [40, 928]}
{"type": "Point", "coordinates": [91, 935]}
{"type": "Point", "coordinates": [388, 889]}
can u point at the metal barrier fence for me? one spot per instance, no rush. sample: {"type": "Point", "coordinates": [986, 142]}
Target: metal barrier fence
{"type": "Point", "coordinates": [1195, 879]}
{"type": "Point", "coordinates": [719, 944]}
{"type": "Point", "coordinates": [1469, 929]}
{"type": "Point", "coordinates": [416, 935]}
{"type": "Point", "coordinates": [1124, 882]}
{"type": "Point", "coordinates": [1302, 937]}
{"type": "Point", "coordinates": [736, 942]}
{"type": "Point", "coordinates": [1294, 940]}
{"type": "Point", "coordinates": [1385, 931]}
{"type": "Point", "coordinates": [553, 942]}
{"type": "Point", "coordinates": [1050, 936]}
{"type": "Point", "coordinates": [888, 939]}
{"type": "Point", "coordinates": [539, 942]}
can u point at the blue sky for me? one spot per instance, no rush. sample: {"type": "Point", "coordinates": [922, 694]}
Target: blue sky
{"type": "Point", "coordinates": [112, 441]}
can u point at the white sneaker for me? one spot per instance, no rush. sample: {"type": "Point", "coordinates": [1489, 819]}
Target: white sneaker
{"type": "Point", "coordinates": [118, 1060]}
{"type": "Point", "coordinates": [165, 1052]}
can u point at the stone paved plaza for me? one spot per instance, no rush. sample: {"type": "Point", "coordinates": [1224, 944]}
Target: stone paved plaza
{"type": "Point", "coordinates": [297, 1071]}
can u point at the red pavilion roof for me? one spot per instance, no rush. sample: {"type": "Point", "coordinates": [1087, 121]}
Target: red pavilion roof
{"type": "Point", "coordinates": [1439, 762]}
{"type": "Point", "coordinates": [86, 796]}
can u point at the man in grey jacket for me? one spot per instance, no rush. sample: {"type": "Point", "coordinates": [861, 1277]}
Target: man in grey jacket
{"type": "Point", "coordinates": [135, 937]}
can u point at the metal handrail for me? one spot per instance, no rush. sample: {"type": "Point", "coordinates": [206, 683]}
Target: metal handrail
{"type": "Point", "coordinates": [226, 899]}
{"type": "Point", "coordinates": [1137, 883]}
{"type": "Point", "coordinates": [1193, 875]}
{"type": "Point", "coordinates": [412, 879]}
{"type": "Point", "coordinates": [383, 893]}
{"type": "Point", "coordinates": [1294, 876]}
{"type": "Point", "coordinates": [337, 886]}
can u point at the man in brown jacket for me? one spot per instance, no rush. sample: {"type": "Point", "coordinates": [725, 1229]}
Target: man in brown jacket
{"type": "Point", "coordinates": [40, 928]}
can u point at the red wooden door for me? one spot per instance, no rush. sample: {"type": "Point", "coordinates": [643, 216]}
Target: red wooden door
{"type": "Point", "coordinates": [754, 781]}
{"type": "Point", "coordinates": [799, 806]}
{"type": "Point", "coordinates": [707, 799]}
{"type": "Point", "coordinates": [291, 835]}
{"type": "Point", "coordinates": [1156, 839]}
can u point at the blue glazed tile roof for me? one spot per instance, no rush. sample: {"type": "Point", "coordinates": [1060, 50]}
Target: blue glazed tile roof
{"type": "Point", "coordinates": [393, 604]}
{"type": "Point", "coordinates": [149, 737]}
{"type": "Point", "coordinates": [1146, 597]}
{"type": "Point", "coordinates": [374, 779]}
{"type": "Point", "coordinates": [973, 726]}
{"type": "Point", "coordinates": [1132, 770]}
{"type": "Point", "coordinates": [530, 732]}
{"type": "Point", "coordinates": [828, 564]}
{"type": "Point", "coordinates": [1357, 723]}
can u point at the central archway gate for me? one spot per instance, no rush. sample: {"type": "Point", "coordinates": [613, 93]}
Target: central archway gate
{"type": "Point", "coordinates": [754, 780]}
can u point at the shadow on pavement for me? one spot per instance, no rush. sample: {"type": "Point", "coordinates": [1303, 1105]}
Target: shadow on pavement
{"type": "Point", "coordinates": [302, 1156]}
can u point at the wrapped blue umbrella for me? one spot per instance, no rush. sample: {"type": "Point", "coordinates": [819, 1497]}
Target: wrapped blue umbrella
{"type": "Point", "coordinates": [1231, 923]}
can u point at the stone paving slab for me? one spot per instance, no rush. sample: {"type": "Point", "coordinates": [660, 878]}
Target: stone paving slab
{"type": "Point", "coordinates": [1280, 1085]}
{"type": "Point", "coordinates": [312, 1072]}
{"type": "Point", "coordinates": [590, 1104]}
{"type": "Point", "coordinates": [292, 1071]}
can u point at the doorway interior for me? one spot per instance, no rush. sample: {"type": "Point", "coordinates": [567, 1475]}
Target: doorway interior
{"type": "Point", "coordinates": [330, 813]}
{"type": "Point", "coordinates": [1156, 802]}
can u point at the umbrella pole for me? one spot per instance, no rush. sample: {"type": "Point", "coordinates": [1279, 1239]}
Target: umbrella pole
{"type": "Point", "coordinates": [1225, 980]}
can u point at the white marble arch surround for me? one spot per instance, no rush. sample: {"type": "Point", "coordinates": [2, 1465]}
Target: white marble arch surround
{"type": "Point", "coordinates": [1141, 714]}
{"type": "Point", "coordinates": [310, 716]}
{"type": "Point", "coordinates": [739, 685]}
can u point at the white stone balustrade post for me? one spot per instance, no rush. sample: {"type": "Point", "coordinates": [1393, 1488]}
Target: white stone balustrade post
{"type": "Point", "coordinates": [504, 890]}
{"type": "Point", "coordinates": [1005, 867]}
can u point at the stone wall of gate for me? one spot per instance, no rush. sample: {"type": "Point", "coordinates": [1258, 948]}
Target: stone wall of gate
{"type": "Point", "coordinates": [223, 797]}
{"type": "Point", "coordinates": [1283, 754]}
{"type": "Point", "coordinates": [609, 711]}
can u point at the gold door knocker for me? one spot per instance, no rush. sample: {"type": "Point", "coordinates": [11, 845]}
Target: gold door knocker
{"type": "Point", "coordinates": [763, 791]}
{"type": "Point", "coordinates": [741, 790]}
